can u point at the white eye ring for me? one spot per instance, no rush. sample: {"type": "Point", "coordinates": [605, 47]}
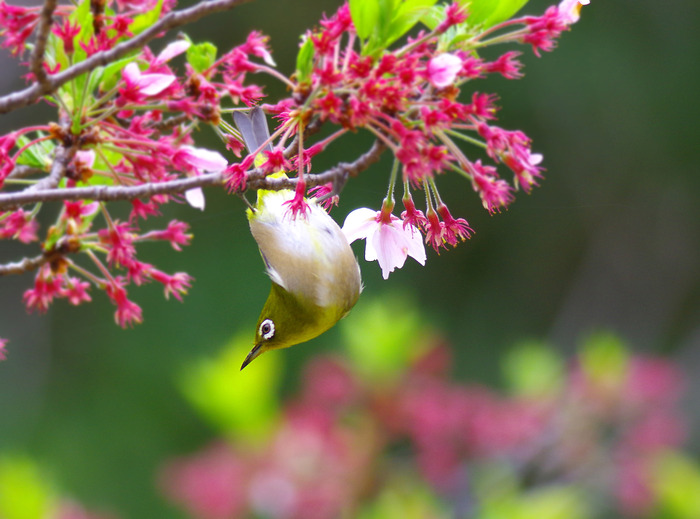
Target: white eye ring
{"type": "Point", "coordinates": [267, 329]}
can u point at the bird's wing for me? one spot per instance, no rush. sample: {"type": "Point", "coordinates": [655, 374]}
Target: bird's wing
{"type": "Point", "coordinates": [253, 128]}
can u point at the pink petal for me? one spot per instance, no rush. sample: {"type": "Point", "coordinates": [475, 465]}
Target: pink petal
{"type": "Point", "coordinates": [391, 247]}
{"type": "Point", "coordinates": [131, 73]}
{"type": "Point", "coordinates": [85, 157]}
{"type": "Point", "coordinates": [153, 84]}
{"type": "Point", "coordinates": [443, 69]}
{"type": "Point", "coordinates": [171, 50]}
{"type": "Point", "coordinates": [203, 159]}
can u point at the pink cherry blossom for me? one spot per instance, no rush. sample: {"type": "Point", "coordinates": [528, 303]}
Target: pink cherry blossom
{"type": "Point", "coordinates": [390, 243]}
{"type": "Point", "coordinates": [139, 85]}
{"type": "Point", "coordinates": [443, 69]}
{"type": "Point", "coordinates": [171, 50]}
{"type": "Point", "coordinates": [199, 159]}
{"type": "Point", "coordinates": [570, 9]}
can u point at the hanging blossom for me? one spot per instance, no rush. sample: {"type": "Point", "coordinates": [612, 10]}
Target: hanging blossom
{"type": "Point", "coordinates": [389, 240]}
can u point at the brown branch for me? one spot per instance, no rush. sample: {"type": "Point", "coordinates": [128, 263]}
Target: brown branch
{"type": "Point", "coordinates": [169, 123]}
{"type": "Point", "coordinates": [24, 265]}
{"type": "Point", "coordinates": [58, 169]}
{"type": "Point", "coordinates": [37, 59]}
{"type": "Point", "coordinates": [170, 21]}
{"type": "Point", "coordinates": [256, 180]}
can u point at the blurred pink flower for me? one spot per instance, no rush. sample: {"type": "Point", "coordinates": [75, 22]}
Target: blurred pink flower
{"type": "Point", "coordinates": [209, 484]}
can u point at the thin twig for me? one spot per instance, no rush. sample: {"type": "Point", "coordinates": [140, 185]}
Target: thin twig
{"type": "Point", "coordinates": [37, 59]}
{"type": "Point", "coordinates": [24, 265]}
{"type": "Point", "coordinates": [25, 171]}
{"type": "Point", "coordinates": [169, 123]}
{"type": "Point", "coordinates": [256, 180]}
{"type": "Point", "coordinates": [58, 169]}
{"type": "Point", "coordinates": [170, 21]}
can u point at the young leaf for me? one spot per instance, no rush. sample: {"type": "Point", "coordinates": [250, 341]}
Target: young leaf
{"type": "Point", "coordinates": [405, 17]}
{"type": "Point", "coordinates": [145, 20]}
{"type": "Point", "coordinates": [112, 73]}
{"type": "Point", "coordinates": [490, 12]}
{"type": "Point", "coordinates": [201, 56]}
{"type": "Point", "coordinates": [242, 405]}
{"type": "Point", "coordinates": [365, 16]}
{"type": "Point", "coordinates": [36, 156]}
{"type": "Point", "coordinates": [305, 61]}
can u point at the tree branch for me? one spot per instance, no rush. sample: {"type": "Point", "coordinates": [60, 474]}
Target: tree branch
{"type": "Point", "coordinates": [58, 169]}
{"type": "Point", "coordinates": [37, 59]}
{"type": "Point", "coordinates": [255, 180]}
{"type": "Point", "coordinates": [24, 265]}
{"type": "Point", "coordinates": [25, 171]}
{"type": "Point", "coordinates": [170, 21]}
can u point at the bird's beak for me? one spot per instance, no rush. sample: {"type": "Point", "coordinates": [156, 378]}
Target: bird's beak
{"type": "Point", "coordinates": [254, 353]}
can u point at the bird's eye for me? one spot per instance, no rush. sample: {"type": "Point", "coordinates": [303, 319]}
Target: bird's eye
{"type": "Point", "coordinates": [267, 329]}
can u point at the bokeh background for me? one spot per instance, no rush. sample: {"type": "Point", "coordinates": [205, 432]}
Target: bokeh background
{"type": "Point", "coordinates": [609, 242]}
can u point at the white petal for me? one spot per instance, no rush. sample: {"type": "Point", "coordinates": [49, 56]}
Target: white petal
{"type": "Point", "coordinates": [85, 157]}
{"type": "Point", "coordinates": [370, 250]}
{"type": "Point", "coordinates": [171, 50]}
{"type": "Point", "coordinates": [131, 73]}
{"type": "Point", "coordinates": [153, 84]}
{"type": "Point", "coordinates": [203, 159]}
{"type": "Point", "coordinates": [267, 58]}
{"type": "Point", "coordinates": [535, 158]}
{"type": "Point", "coordinates": [391, 247]}
{"type": "Point", "coordinates": [416, 246]}
{"type": "Point", "coordinates": [195, 197]}
{"type": "Point", "coordinates": [359, 224]}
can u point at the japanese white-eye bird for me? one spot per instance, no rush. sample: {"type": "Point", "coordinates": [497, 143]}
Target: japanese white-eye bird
{"type": "Point", "coordinates": [315, 275]}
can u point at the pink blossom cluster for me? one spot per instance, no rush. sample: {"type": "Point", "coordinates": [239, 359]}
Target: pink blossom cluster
{"type": "Point", "coordinates": [123, 137]}
{"type": "Point", "coordinates": [409, 98]}
{"type": "Point", "coordinates": [343, 436]}
{"type": "Point", "coordinates": [131, 124]}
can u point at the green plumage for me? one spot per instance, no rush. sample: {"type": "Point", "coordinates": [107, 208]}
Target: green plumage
{"type": "Point", "coordinates": [315, 276]}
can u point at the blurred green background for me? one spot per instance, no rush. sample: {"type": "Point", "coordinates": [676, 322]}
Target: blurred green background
{"type": "Point", "coordinates": [611, 240]}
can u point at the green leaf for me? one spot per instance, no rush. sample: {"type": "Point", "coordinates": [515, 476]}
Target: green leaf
{"type": "Point", "coordinates": [432, 17]}
{"type": "Point", "coordinates": [532, 369]}
{"type": "Point", "coordinates": [405, 497]}
{"type": "Point", "coordinates": [145, 20]}
{"type": "Point", "coordinates": [490, 12]}
{"type": "Point", "coordinates": [365, 16]}
{"type": "Point", "coordinates": [112, 73]}
{"type": "Point", "coordinates": [305, 61]}
{"type": "Point", "coordinates": [83, 17]}
{"type": "Point", "coordinates": [408, 13]}
{"type": "Point", "coordinates": [676, 481]}
{"type": "Point", "coordinates": [382, 336]}
{"type": "Point", "coordinates": [36, 156]}
{"type": "Point", "coordinates": [555, 501]}
{"type": "Point", "coordinates": [604, 359]}
{"type": "Point", "coordinates": [24, 492]}
{"type": "Point", "coordinates": [241, 404]}
{"type": "Point", "coordinates": [201, 56]}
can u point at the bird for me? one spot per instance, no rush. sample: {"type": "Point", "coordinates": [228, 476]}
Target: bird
{"type": "Point", "coordinates": [315, 275]}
